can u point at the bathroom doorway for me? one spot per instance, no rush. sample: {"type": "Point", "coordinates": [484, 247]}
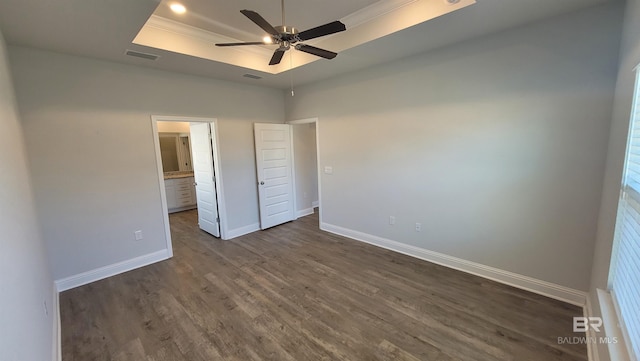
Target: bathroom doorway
{"type": "Point", "coordinates": [182, 185]}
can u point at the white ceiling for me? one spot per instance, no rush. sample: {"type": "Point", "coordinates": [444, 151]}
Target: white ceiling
{"type": "Point", "coordinates": [104, 29]}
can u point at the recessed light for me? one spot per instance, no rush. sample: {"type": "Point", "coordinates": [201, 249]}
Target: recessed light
{"type": "Point", "coordinates": [178, 8]}
{"type": "Point", "coordinates": [267, 40]}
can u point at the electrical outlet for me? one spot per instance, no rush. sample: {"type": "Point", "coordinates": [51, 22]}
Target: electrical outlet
{"type": "Point", "coordinates": [418, 227]}
{"type": "Point", "coordinates": [328, 170]}
{"type": "Point", "coordinates": [392, 220]}
{"type": "Point", "coordinates": [138, 235]}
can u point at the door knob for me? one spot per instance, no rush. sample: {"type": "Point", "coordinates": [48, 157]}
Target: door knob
{"type": "Point", "coordinates": [262, 183]}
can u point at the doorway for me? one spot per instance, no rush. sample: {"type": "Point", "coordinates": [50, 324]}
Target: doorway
{"type": "Point", "coordinates": [287, 171]}
{"type": "Point", "coordinates": [305, 144]}
{"type": "Point", "coordinates": [215, 207]}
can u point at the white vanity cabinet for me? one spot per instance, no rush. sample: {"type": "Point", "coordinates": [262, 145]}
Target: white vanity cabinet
{"type": "Point", "coordinates": [170, 189]}
{"type": "Point", "coordinates": [181, 194]}
{"type": "Point", "coordinates": [185, 192]}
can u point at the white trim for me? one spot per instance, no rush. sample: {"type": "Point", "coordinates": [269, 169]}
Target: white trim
{"type": "Point", "coordinates": [57, 329]}
{"type": "Point", "coordinates": [233, 233]}
{"type": "Point", "coordinates": [319, 202]}
{"type": "Point", "coordinates": [315, 204]}
{"type": "Point", "coordinates": [544, 288]}
{"type": "Point", "coordinates": [592, 349]}
{"type": "Point", "coordinates": [294, 188]}
{"type": "Point", "coordinates": [222, 210]}
{"type": "Point", "coordinates": [182, 29]}
{"type": "Point", "coordinates": [374, 11]}
{"type": "Point", "coordinates": [304, 212]}
{"type": "Point", "coordinates": [303, 121]}
{"type": "Point", "coordinates": [619, 351]}
{"type": "Point", "coordinates": [163, 192]}
{"type": "Point", "coordinates": [110, 270]}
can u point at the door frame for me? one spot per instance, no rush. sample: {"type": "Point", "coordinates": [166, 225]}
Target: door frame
{"type": "Point", "coordinates": [216, 168]}
{"type": "Point", "coordinates": [295, 199]}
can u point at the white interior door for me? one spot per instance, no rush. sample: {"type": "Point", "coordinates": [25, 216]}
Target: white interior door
{"type": "Point", "coordinates": [202, 152]}
{"type": "Point", "coordinates": [275, 177]}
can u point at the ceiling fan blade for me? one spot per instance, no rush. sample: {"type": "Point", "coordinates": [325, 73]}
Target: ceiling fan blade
{"type": "Point", "coordinates": [322, 30]}
{"type": "Point", "coordinates": [260, 21]}
{"type": "Point", "coordinates": [277, 56]}
{"type": "Point", "coordinates": [237, 44]}
{"type": "Point", "coordinates": [316, 51]}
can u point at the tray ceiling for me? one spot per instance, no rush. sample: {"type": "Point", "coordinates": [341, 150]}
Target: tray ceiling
{"type": "Point", "coordinates": [206, 23]}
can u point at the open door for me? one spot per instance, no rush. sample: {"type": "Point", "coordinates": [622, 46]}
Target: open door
{"type": "Point", "coordinates": [203, 170]}
{"type": "Point", "coordinates": [275, 174]}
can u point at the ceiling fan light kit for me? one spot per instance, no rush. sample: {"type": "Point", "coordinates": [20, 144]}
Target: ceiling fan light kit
{"type": "Point", "coordinates": [285, 36]}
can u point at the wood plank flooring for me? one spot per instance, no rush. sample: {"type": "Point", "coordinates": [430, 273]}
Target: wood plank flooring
{"type": "Point", "coordinates": [296, 293]}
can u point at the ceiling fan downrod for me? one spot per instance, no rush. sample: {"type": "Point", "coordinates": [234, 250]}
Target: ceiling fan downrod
{"type": "Point", "coordinates": [284, 29]}
{"type": "Point", "coordinates": [284, 22]}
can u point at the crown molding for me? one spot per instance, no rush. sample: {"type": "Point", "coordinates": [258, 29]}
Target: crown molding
{"type": "Point", "coordinates": [164, 24]}
{"type": "Point", "coordinates": [373, 11]}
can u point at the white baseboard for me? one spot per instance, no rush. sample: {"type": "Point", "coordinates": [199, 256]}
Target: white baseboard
{"type": "Point", "coordinates": [110, 270]}
{"type": "Point", "coordinates": [304, 212]}
{"type": "Point", "coordinates": [544, 288]}
{"type": "Point", "coordinates": [243, 230]}
{"type": "Point", "coordinates": [315, 204]}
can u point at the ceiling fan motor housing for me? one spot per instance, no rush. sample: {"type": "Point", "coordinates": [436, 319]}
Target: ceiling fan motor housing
{"type": "Point", "coordinates": [286, 36]}
{"type": "Point", "coordinates": [289, 30]}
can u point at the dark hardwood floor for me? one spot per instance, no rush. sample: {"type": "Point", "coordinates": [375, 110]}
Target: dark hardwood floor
{"type": "Point", "coordinates": [296, 293]}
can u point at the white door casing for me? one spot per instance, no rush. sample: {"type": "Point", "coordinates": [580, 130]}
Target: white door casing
{"type": "Point", "coordinates": [275, 173]}
{"type": "Point", "coordinates": [203, 170]}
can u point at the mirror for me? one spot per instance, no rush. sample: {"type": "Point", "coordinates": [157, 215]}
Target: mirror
{"type": "Point", "coordinates": [175, 150]}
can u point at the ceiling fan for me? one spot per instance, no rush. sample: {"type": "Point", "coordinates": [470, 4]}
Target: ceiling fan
{"type": "Point", "coordinates": [286, 36]}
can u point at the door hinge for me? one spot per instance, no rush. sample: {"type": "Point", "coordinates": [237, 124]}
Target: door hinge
{"type": "Point", "coordinates": [218, 219]}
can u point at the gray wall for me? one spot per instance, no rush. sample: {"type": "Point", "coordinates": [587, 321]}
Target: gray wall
{"type": "Point", "coordinates": [306, 166]}
{"type": "Point", "coordinates": [496, 145]}
{"type": "Point", "coordinates": [90, 142]}
{"type": "Point", "coordinates": [629, 59]}
{"type": "Point", "coordinates": [25, 279]}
